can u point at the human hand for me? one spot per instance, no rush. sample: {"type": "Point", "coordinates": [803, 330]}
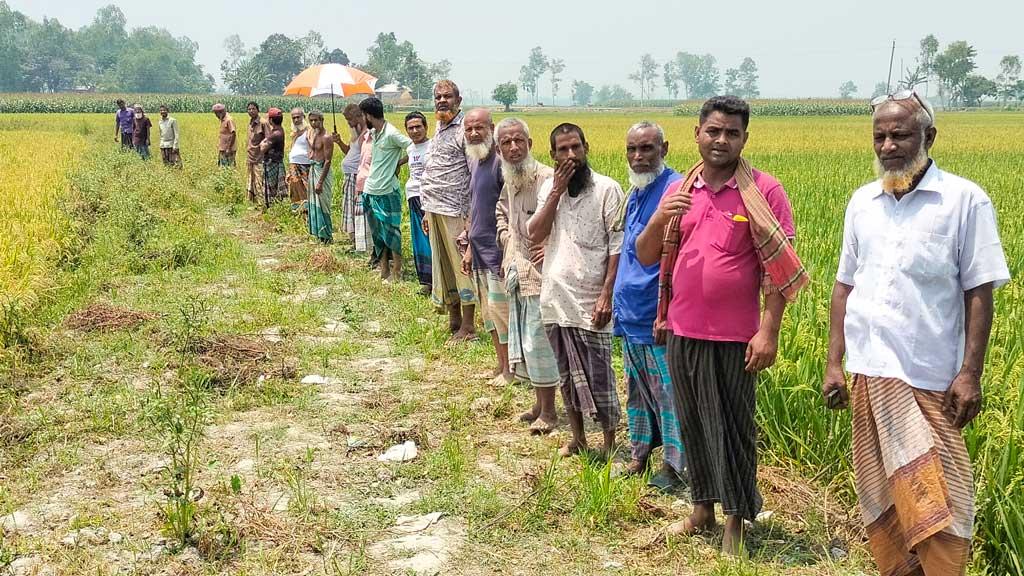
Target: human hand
{"type": "Point", "coordinates": [425, 225]}
{"type": "Point", "coordinates": [563, 173]}
{"type": "Point", "coordinates": [761, 351]}
{"type": "Point", "coordinates": [602, 310]}
{"type": "Point", "coordinates": [834, 389]}
{"type": "Point", "coordinates": [467, 263]}
{"type": "Point", "coordinates": [963, 399]}
{"type": "Point", "coordinates": [677, 203]}
{"type": "Point", "coordinates": [537, 255]}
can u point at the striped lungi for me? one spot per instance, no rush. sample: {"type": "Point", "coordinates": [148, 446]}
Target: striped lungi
{"type": "Point", "coordinates": [275, 182]}
{"type": "Point", "coordinates": [298, 177]}
{"type": "Point", "coordinates": [320, 203]}
{"type": "Point", "coordinates": [384, 213]}
{"type": "Point", "coordinates": [420, 243]}
{"type": "Point", "coordinates": [715, 398]}
{"type": "Point", "coordinates": [353, 217]}
{"type": "Point", "coordinates": [913, 476]}
{"type": "Point", "coordinates": [585, 369]}
{"type": "Point", "coordinates": [651, 404]}
{"type": "Point", "coordinates": [490, 290]}
{"type": "Point", "coordinates": [529, 350]}
{"type": "Point", "coordinates": [254, 181]}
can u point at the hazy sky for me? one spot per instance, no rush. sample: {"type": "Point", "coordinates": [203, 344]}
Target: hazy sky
{"type": "Point", "coordinates": [802, 47]}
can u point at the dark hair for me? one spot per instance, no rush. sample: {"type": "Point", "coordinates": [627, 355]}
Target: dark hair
{"type": "Point", "coordinates": [119, 101]}
{"type": "Point", "coordinates": [728, 105]}
{"type": "Point", "coordinates": [372, 106]}
{"type": "Point", "coordinates": [164, 106]}
{"type": "Point", "coordinates": [415, 115]}
{"type": "Point", "coordinates": [567, 128]}
{"type": "Point", "coordinates": [253, 103]}
{"type": "Point", "coordinates": [276, 120]}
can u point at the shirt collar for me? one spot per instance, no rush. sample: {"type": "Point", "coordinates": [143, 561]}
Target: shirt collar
{"type": "Point", "coordinates": [455, 121]}
{"type": "Point", "coordinates": [700, 183]}
{"type": "Point", "coordinates": [930, 182]}
{"type": "Point", "coordinates": [659, 180]}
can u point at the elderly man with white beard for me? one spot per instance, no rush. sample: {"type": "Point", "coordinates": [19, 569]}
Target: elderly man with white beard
{"type": "Point", "coordinates": [482, 260]}
{"type": "Point", "coordinates": [911, 312]}
{"type": "Point", "coordinates": [650, 405]}
{"type": "Point", "coordinates": [529, 351]}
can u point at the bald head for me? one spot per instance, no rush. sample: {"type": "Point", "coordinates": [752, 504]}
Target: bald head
{"type": "Point", "coordinates": [479, 126]}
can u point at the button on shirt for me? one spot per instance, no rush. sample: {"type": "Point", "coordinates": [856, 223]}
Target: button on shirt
{"type": "Point", "coordinates": [444, 188]}
{"type": "Point", "coordinates": [585, 233]}
{"type": "Point", "coordinates": [636, 286]}
{"type": "Point", "coordinates": [716, 284]}
{"type": "Point", "coordinates": [388, 146]}
{"type": "Point", "coordinates": [909, 263]}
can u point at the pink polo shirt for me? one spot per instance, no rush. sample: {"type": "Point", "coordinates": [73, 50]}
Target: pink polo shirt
{"type": "Point", "coordinates": [716, 284]}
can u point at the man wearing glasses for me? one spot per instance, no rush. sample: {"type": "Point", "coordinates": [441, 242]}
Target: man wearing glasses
{"type": "Point", "coordinates": [911, 312]}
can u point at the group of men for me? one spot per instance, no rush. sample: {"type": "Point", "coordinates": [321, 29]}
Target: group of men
{"type": "Point", "coordinates": [693, 271]}
{"type": "Point", "coordinates": [132, 130]}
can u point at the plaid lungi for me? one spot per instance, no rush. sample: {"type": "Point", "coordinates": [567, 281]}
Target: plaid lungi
{"type": "Point", "coordinates": [585, 369]}
{"type": "Point", "coordinates": [298, 178]}
{"type": "Point", "coordinates": [384, 214]}
{"type": "Point", "coordinates": [651, 404]}
{"type": "Point", "coordinates": [320, 204]}
{"type": "Point", "coordinates": [275, 182]}
{"type": "Point", "coordinates": [529, 350]}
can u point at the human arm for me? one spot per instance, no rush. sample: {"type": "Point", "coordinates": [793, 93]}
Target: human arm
{"type": "Point", "coordinates": [177, 134]}
{"type": "Point", "coordinates": [962, 401]}
{"type": "Point", "coordinates": [501, 218]}
{"type": "Point", "coordinates": [539, 225]}
{"type": "Point", "coordinates": [602, 313]}
{"type": "Point", "coordinates": [328, 156]}
{"type": "Point", "coordinates": [336, 138]}
{"type": "Point", "coordinates": [833, 387]}
{"type": "Point", "coordinates": [117, 128]}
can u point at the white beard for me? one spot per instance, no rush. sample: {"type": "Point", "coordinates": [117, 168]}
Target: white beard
{"type": "Point", "coordinates": [900, 180]}
{"type": "Point", "coordinates": [642, 180]}
{"type": "Point", "coordinates": [480, 151]}
{"type": "Point", "coordinates": [519, 176]}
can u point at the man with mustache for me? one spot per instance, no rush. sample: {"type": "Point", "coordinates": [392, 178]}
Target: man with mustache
{"type": "Point", "coordinates": [445, 197]}
{"type": "Point", "coordinates": [529, 350]}
{"type": "Point", "coordinates": [578, 217]}
{"type": "Point", "coordinates": [911, 311]}
{"type": "Point", "coordinates": [723, 236]}
{"type": "Point", "coordinates": [650, 406]}
{"type": "Point", "coordinates": [298, 161]}
{"type": "Point", "coordinates": [482, 260]}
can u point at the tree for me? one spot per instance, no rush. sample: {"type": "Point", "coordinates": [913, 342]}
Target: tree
{"type": "Point", "coordinates": [912, 77]}
{"type": "Point", "coordinates": [582, 93]}
{"type": "Point", "coordinates": [671, 78]}
{"type": "Point", "coordinates": [98, 39]}
{"type": "Point", "coordinates": [384, 57]}
{"type": "Point", "coordinates": [531, 72]}
{"type": "Point", "coordinates": [847, 90]}
{"type": "Point", "coordinates": [506, 93]}
{"type": "Point", "coordinates": [732, 82]}
{"type": "Point", "coordinates": [929, 49]}
{"type": "Point", "coordinates": [748, 78]}
{"type": "Point", "coordinates": [13, 26]}
{"type": "Point", "coordinates": [975, 88]}
{"type": "Point", "coordinates": [880, 90]}
{"type": "Point", "coordinates": [556, 67]}
{"type": "Point", "coordinates": [441, 70]}
{"type": "Point", "coordinates": [337, 56]}
{"type": "Point", "coordinates": [698, 73]}
{"type": "Point", "coordinates": [615, 93]}
{"type": "Point", "coordinates": [953, 66]}
{"type": "Point", "coordinates": [311, 47]}
{"type": "Point", "coordinates": [645, 76]}
{"type": "Point", "coordinates": [282, 58]}
{"type": "Point", "coordinates": [1009, 76]}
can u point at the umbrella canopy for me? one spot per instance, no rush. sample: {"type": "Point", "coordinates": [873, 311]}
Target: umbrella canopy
{"type": "Point", "coordinates": [331, 79]}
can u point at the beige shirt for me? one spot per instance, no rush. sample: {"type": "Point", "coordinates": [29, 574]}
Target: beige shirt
{"type": "Point", "coordinates": [514, 209]}
{"type": "Point", "coordinates": [225, 143]}
{"type": "Point", "coordinates": [585, 234]}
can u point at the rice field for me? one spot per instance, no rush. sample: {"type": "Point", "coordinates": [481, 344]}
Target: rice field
{"type": "Point", "coordinates": [819, 160]}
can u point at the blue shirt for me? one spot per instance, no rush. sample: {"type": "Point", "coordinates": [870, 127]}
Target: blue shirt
{"type": "Point", "coordinates": [126, 119]}
{"type": "Point", "coordinates": [635, 299]}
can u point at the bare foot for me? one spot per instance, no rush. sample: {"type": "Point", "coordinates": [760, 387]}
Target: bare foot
{"type": "Point", "coordinates": [462, 336]}
{"type": "Point", "coordinates": [544, 425]}
{"type": "Point", "coordinates": [635, 467]}
{"type": "Point", "coordinates": [732, 538]}
{"type": "Point", "coordinates": [530, 415]}
{"type": "Point", "coordinates": [572, 449]}
{"type": "Point", "coordinates": [696, 523]}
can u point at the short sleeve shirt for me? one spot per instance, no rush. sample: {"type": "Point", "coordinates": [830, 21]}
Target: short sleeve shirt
{"type": "Point", "coordinates": [225, 143]}
{"type": "Point", "coordinates": [126, 120]}
{"type": "Point", "coordinates": [388, 146]}
{"type": "Point", "coordinates": [716, 284]}
{"type": "Point", "coordinates": [909, 263]}
{"type": "Point", "coordinates": [417, 156]}
{"type": "Point", "coordinates": [258, 130]}
{"type": "Point", "coordinates": [444, 188]}
{"type": "Point", "coordinates": [584, 235]}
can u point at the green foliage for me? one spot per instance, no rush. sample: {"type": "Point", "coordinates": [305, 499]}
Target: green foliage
{"type": "Point", "coordinates": [615, 93]}
{"type": "Point", "coordinates": [530, 73]}
{"type": "Point", "coordinates": [582, 93]}
{"type": "Point", "coordinates": [392, 61]}
{"type": "Point", "coordinates": [507, 94]}
{"type": "Point", "coordinates": [645, 76]}
{"type": "Point", "coordinates": [268, 69]}
{"type": "Point", "coordinates": [953, 67]}
{"type": "Point", "coordinates": [782, 107]}
{"type": "Point", "coordinates": [847, 90]}
{"type": "Point", "coordinates": [697, 73]}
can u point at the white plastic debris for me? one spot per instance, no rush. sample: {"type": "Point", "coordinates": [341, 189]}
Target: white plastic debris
{"type": "Point", "coordinates": [399, 452]}
{"type": "Point", "coordinates": [764, 516]}
{"type": "Point", "coordinates": [410, 524]}
{"type": "Point", "coordinates": [318, 380]}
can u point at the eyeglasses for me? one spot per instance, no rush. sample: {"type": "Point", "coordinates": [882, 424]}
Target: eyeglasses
{"type": "Point", "coordinates": [899, 97]}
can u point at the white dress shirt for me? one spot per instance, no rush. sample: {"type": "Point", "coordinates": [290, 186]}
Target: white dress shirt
{"type": "Point", "coordinates": [909, 263]}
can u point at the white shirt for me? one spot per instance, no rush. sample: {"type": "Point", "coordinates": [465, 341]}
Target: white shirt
{"type": "Point", "coordinates": [417, 154]}
{"type": "Point", "coordinates": [910, 262]}
{"type": "Point", "coordinates": [585, 233]}
{"type": "Point", "coordinates": [299, 153]}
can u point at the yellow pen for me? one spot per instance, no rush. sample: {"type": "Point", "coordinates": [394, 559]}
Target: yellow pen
{"type": "Point", "coordinates": [739, 218]}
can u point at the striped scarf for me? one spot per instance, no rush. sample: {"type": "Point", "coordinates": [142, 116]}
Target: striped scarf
{"type": "Point", "coordinates": [782, 269]}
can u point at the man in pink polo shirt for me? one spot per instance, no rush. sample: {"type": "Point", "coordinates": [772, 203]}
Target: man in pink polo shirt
{"type": "Point", "coordinates": [719, 337]}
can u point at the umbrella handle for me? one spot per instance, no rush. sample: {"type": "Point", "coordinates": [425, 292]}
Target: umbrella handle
{"type": "Point", "coordinates": [334, 118]}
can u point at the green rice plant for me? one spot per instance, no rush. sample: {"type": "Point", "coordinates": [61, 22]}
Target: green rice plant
{"type": "Point", "coordinates": [602, 498]}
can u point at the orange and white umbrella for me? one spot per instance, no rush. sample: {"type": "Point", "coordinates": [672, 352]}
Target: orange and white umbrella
{"type": "Point", "coordinates": [331, 79]}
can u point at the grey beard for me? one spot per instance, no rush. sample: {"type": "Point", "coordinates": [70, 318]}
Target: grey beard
{"type": "Point", "coordinates": [480, 151]}
{"type": "Point", "coordinates": [519, 176]}
{"type": "Point", "coordinates": [900, 180]}
{"type": "Point", "coordinates": [642, 180]}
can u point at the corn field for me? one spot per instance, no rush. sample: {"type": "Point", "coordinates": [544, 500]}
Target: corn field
{"type": "Point", "coordinates": [820, 161]}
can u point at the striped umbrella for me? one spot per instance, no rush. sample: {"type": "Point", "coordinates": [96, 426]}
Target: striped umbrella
{"type": "Point", "coordinates": [333, 79]}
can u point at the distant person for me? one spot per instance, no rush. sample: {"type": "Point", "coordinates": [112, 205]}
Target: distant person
{"type": "Point", "coordinates": [416, 129]}
{"type": "Point", "coordinates": [258, 130]}
{"type": "Point", "coordinates": [382, 195]}
{"type": "Point", "coordinates": [445, 196]}
{"type": "Point", "coordinates": [912, 311]}
{"type": "Point", "coordinates": [482, 260]}
{"type": "Point", "coordinates": [227, 139]}
{"type": "Point", "coordinates": [275, 184]}
{"type": "Point", "coordinates": [169, 138]}
{"type": "Point", "coordinates": [723, 235]}
{"type": "Point", "coordinates": [321, 151]}
{"type": "Point", "coordinates": [578, 221]}
{"type": "Point", "coordinates": [124, 125]}
{"type": "Point", "coordinates": [298, 161]}
{"type": "Point", "coordinates": [353, 219]}
{"type": "Point", "coordinates": [141, 128]}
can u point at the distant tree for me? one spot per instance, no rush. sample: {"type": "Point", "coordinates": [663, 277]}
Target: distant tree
{"type": "Point", "coordinates": [337, 56]}
{"type": "Point", "coordinates": [13, 27]}
{"type": "Point", "coordinates": [847, 90]}
{"type": "Point", "coordinates": [1009, 77]}
{"type": "Point", "coordinates": [282, 58]}
{"type": "Point", "coordinates": [506, 93]}
{"type": "Point", "coordinates": [312, 49]}
{"type": "Point", "coordinates": [929, 50]}
{"type": "Point", "coordinates": [582, 93]}
{"type": "Point", "coordinates": [613, 93]}
{"type": "Point", "coordinates": [384, 57]}
{"type": "Point", "coordinates": [50, 63]}
{"type": "Point", "coordinates": [880, 89]}
{"type": "Point", "coordinates": [100, 39]}
{"type": "Point", "coordinates": [698, 73]}
{"type": "Point", "coordinates": [556, 66]}
{"type": "Point", "coordinates": [748, 78]}
{"type": "Point", "coordinates": [731, 83]}
{"type": "Point", "coordinates": [645, 76]}
{"type": "Point", "coordinates": [670, 77]}
{"type": "Point", "coordinates": [441, 70]}
{"type": "Point", "coordinates": [156, 61]}
{"type": "Point", "coordinates": [953, 66]}
{"type": "Point", "coordinates": [912, 77]}
{"type": "Point", "coordinates": [976, 87]}
{"type": "Point", "coordinates": [531, 72]}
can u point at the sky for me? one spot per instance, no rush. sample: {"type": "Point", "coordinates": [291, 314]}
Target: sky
{"type": "Point", "coordinates": [803, 48]}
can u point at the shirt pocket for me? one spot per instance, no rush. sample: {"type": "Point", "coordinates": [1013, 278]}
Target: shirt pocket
{"type": "Point", "coordinates": [928, 256]}
{"type": "Point", "coordinates": [731, 236]}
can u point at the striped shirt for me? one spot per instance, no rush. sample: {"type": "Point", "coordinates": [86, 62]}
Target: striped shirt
{"type": "Point", "coordinates": [444, 188]}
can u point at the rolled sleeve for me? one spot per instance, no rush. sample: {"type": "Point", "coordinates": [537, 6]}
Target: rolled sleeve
{"type": "Point", "coordinates": [981, 253]}
{"type": "Point", "coordinates": [612, 205]}
{"type": "Point", "coordinates": [848, 250]}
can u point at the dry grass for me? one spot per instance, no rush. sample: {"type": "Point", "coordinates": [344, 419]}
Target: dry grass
{"type": "Point", "coordinates": [102, 317]}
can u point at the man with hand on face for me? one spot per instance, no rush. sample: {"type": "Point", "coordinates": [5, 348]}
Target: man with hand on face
{"type": "Point", "coordinates": [257, 132]}
{"type": "Point", "coordinates": [529, 350]}
{"type": "Point", "coordinates": [911, 312]}
{"type": "Point", "coordinates": [650, 407]}
{"type": "Point", "coordinates": [723, 236]}
{"type": "Point", "coordinates": [445, 196]}
{"type": "Point", "coordinates": [579, 222]}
